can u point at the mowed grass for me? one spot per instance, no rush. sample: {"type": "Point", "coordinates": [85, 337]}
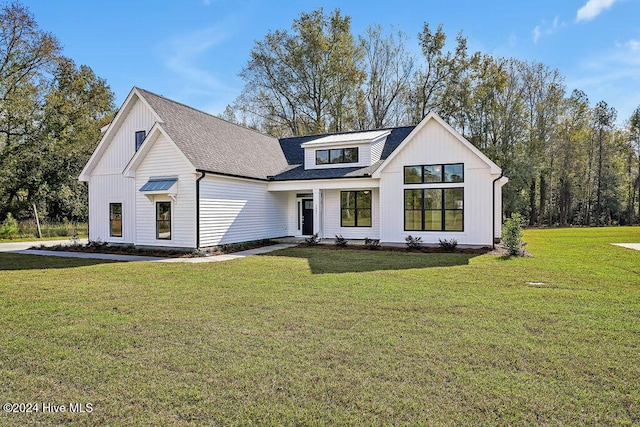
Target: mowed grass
{"type": "Point", "coordinates": [322, 337]}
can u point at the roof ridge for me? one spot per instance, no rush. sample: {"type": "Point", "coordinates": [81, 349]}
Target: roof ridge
{"type": "Point", "coordinates": [204, 112]}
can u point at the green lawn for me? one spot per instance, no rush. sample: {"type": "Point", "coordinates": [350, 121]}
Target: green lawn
{"type": "Point", "coordinates": [321, 337]}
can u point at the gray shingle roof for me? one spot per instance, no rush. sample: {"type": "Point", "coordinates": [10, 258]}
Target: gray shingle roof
{"type": "Point", "coordinates": [215, 145]}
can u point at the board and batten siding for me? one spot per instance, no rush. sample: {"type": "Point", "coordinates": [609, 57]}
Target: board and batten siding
{"type": "Point", "coordinates": [108, 185]}
{"type": "Point", "coordinates": [239, 210]}
{"type": "Point", "coordinates": [123, 146]}
{"type": "Point", "coordinates": [435, 145]}
{"type": "Point", "coordinates": [332, 216]}
{"type": "Point", "coordinates": [105, 189]}
{"type": "Point", "coordinates": [164, 159]}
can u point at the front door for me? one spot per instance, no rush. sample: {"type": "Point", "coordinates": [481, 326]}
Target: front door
{"type": "Point", "coordinates": [307, 217]}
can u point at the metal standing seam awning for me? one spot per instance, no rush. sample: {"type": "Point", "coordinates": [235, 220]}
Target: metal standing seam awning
{"type": "Point", "coordinates": [159, 186]}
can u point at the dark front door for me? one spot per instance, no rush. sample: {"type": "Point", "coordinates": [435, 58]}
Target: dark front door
{"type": "Point", "coordinates": [307, 217]}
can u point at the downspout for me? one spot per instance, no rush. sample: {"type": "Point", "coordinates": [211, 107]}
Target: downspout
{"type": "Point", "coordinates": [493, 198]}
{"type": "Point", "coordinates": [198, 208]}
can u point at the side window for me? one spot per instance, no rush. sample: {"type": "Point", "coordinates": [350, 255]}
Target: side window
{"type": "Point", "coordinates": [163, 220]}
{"type": "Point", "coordinates": [140, 135]}
{"type": "Point", "coordinates": [115, 219]}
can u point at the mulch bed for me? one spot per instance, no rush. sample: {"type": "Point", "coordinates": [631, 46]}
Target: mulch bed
{"type": "Point", "coordinates": [423, 249]}
{"type": "Point", "coordinates": [127, 250]}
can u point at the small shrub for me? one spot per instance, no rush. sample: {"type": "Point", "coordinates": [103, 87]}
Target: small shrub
{"type": "Point", "coordinates": [9, 228]}
{"type": "Point", "coordinates": [372, 244]}
{"type": "Point", "coordinates": [340, 241]}
{"type": "Point", "coordinates": [98, 244]}
{"type": "Point", "coordinates": [448, 245]}
{"type": "Point", "coordinates": [413, 242]}
{"type": "Point", "coordinates": [512, 235]}
{"type": "Point", "coordinates": [313, 240]}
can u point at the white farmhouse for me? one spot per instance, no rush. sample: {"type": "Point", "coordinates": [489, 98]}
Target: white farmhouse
{"type": "Point", "coordinates": [167, 175]}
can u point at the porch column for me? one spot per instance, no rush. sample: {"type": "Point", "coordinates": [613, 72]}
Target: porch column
{"type": "Point", "coordinates": [317, 205]}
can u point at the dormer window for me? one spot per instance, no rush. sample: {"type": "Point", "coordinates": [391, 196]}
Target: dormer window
{"type": "Point", "coordinates": [337, 155]}
{"type": "Point", "coordinates": [140, 135]}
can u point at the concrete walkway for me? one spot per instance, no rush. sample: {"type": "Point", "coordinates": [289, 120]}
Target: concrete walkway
{"type": "Point", "coordinates": [23, 248]}
{"type": "Point", "coordinates": [18, 246]}
{"type": "Point", "coordinates": [635, 246]}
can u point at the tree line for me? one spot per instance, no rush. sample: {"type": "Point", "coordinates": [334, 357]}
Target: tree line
{"type": "Point", "coordinates": [568, 160]}
{"type": "Point", "coordinates": [51, 112]}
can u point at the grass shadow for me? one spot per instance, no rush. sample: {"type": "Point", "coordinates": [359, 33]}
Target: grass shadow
{"type": "Point", "coordinates": [13, 261]}
{"type": "Point", "coordinates": [325, 261]}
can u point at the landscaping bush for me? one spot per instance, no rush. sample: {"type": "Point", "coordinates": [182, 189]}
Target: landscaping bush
{"type": "Point", "coordinates": [340, 241]}
{"type": "Point", "coordinates": [448, 245]}
{"type": "Point", "coordinates": [413, 242]}
{"type": "Point", "coordinates": [512, 235]}
{"type": "Point", "coordinates": [9, 228]}
{"type": "Point", "coordinates": [313, 240]}
{"type": "Point", "coordinates": [372, 244]}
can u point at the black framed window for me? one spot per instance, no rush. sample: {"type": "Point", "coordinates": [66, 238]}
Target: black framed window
{"type": "Point", "coordinates": [163, 220]}
{"type": "Point", "coordinates": [430, 174]}
{"type": "Point", "coordinates": [434, 209]}
{"type": "Point", "coordinates": [355, 208]}
{"type": "Point", "coordinates": [115, 219]}
{"type": "Point", "coordinates": [337, 155]}
{"type": "Point", "coordinates": [140, 135]}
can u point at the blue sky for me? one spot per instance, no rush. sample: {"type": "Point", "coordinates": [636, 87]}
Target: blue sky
{"type": "Point", "coordinates": [193, 50]}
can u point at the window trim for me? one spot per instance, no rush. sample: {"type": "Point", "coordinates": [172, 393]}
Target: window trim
{"type": "Point", "coordinates": [443, 210]}
{"type": "Point", "coordinates": [356, 209]}
{"type": "Point", "coordinates": [442, 174]}
{"type": "Point", "coordinates": [111, 221]}
{"type": "Point", "coordinates": [170, 220]}
{"type": "Point", "coordinates": [341, 158]}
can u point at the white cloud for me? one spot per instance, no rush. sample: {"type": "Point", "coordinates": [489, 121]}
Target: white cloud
{"type": "Point", "coordinates": [592, 9]}
{"type": "Point", "coordinates": [611, 75]}
{"type": "Point", "coordinates": [545, 29]}
{"type": "Point", "coordinates": [633, 45]}
{"type": "Point", "coordinates": [182, 54]}
{"type": "Point", "coordinates": [191, 58]}
{"type": "Point", "coordinates": [536, 34]}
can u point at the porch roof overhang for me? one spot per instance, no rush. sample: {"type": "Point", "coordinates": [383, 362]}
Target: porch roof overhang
{"type": "Point", "coordinates": [323, 184]}
{"type": "Point", "coordinates": [160, 186]}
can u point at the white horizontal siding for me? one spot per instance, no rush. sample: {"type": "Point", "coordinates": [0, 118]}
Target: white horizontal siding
{"type": "Point", "coordinates": [123, 145]}
{"type": "Point", "coordinates": [435, 145]}
{"type": "Point", "coordinates": [364, 156]}
{"type": "Point", "coordinates": [105, 189]}
{"type": "Point", "coordinates": [164, 159]}
{"type": "Point", "coordinates": [332, 215]}
{"type": "Point", "coordinates": [376, 150]}
{"type": "Point", "coordinates": [236, 210]}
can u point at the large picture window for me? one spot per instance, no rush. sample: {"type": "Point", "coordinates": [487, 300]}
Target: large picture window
{"type": "Point", "coordinates": [337, 155]}
{"type": "Point", "coordinates": [115, 219]}
{"type": "Point", "coordinates": [429, 174]}
{"type": "Point", "coordinates": [163, 220]}
{"type": "Point", "coordinates": [434, 209]}
{"type": "Point", "coordinates": [355, 208]}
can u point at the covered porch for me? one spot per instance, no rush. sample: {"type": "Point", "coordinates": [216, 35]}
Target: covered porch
{"type": "Point", "coordinates": [349, 207]}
